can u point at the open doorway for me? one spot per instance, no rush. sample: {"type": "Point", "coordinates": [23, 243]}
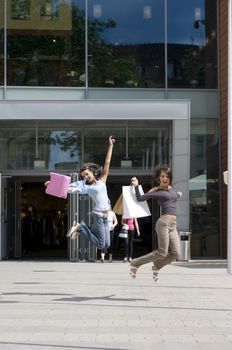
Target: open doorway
{"type": "Point", "coordinates": [43, 221]}
{"type": "Point", "coordinates": [147, 240]}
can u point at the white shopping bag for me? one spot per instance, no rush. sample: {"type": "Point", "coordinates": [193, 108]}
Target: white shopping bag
{"type": "Point", "coordinates": [131, 207]}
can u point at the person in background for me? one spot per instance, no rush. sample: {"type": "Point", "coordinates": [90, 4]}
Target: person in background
{"type": "Point", "coordinates": [168, 238]}
{"type": "Point", "coordinates": [129, 241]}
{"type": "Point", "coordinates": [112, 221]}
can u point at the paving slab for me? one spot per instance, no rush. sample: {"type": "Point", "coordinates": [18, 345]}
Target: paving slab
{"type": "Point", "coordinates": [62, 305]}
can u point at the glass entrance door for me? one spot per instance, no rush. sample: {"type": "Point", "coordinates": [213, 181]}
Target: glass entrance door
{"type": "Point", "coordinates": [3, 219]}
{"type": "Point", "coordinates": [39, 222]}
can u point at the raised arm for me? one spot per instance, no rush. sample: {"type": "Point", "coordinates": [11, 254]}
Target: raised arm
{"type": "Point", "coordinates": [143, 197]}
{"type": "Point", "coordinates": [108, 159]}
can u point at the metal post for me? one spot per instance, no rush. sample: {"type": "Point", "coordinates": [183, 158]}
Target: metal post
{"type": "Point", "coordinates": [229, 187]}
{"type": "Point", "coordinates": [73, 245]}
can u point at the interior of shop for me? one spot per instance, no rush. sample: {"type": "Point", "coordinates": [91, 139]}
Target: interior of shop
{"type": "Point", "coordinates": [44, 224]}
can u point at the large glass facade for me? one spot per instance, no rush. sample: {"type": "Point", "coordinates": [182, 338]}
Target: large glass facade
{"type": "Point", "coordinates": [115, 49]}
{"type": "Point", "coordinates": [36, 145]}
{"type": "Point", "coordinates": [46, 43]}
{"type": "Point", "coordinates": [204, 187]}
{"type": "Point", "coordinates": [192, 44]}
{"type": "Point", "coordinates": [123, 43]}
{"type": "Point", "coordinates": [126, 43]}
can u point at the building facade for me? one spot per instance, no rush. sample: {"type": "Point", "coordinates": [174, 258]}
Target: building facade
{"type": "Point", "coordinates": [73, 72]}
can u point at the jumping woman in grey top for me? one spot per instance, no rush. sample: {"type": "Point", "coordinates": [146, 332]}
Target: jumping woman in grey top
{"type": "Point", "coordinates": [168, 238]}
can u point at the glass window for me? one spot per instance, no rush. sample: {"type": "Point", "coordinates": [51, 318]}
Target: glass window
{"type": "Point", "coordinates": [48, 52]}
{"type": "Point", "coordinates": [49, 10]}
{"type": "Point", "coordinates": [192, 44]}
{"type": "Point", "coordinates": [39, 145]}
{"type": "Point", "coordinates": [1, 42]}
{"type": "Point", "coordinates": [204, 188]}
{"type": "Point", "coordinates": [58, 145]}
{"type": "Point", "coordinates": [126, 43]}
{"type": "Point", "coordinates": [136, 146]}
{"type": "Point", "coordinates": [20, 9]}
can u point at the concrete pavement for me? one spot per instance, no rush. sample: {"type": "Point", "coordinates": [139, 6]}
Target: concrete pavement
{"type": "Point", "coordinates": [58, 305]}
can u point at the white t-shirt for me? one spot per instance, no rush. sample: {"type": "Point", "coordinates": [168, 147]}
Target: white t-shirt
{"type": "Point", "coordinates": [111, 219]}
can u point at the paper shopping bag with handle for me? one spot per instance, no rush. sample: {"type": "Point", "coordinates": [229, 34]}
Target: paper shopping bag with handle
{"type": "Point", "coordinates": [58, 185]}
{"type": "Point", "coordinates": [118, 208]}
{"type": "Point", "coordinates": [131, 207]}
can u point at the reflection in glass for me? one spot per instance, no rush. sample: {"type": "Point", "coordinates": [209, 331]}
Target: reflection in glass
{"type": "Point", "coordinates": [49, 10]}
{"type": "Point", "coordinates": [192, 43]}
{"type": "Point", "coordinates": [58, 145]}
{"type": "Point", "coordinates": [37, 145]}
{"type": "Point", "coordinates": [97, 11]}
{"type": "Point", "coordinates": [204, 188]}
{"type": "Point", "coordinates": [20, 9]}
{"type": "Point", "coordinates": [49, 49]}
{"type": "Point", "coordinates": [126, 43]}
{"type": "Point", "coordinates": [137, 146]}
{"type": "Point", "coordinates": [64, 150]}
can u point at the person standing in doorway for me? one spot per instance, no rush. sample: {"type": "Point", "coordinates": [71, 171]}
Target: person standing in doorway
{"type": "Point", "coordinates": [112, 221]}
{"type": "Point", "coordinates": [129, 241]}
{"type": "Point", "coordinates": [168, 238]}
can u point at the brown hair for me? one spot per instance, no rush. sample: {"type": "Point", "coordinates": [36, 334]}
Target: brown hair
{"type": "Point", "coordinates": [94, 168]}
{"type": "Point", "coordinates": [157, 172]}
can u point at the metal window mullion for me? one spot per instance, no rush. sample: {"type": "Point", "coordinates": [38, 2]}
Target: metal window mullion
{"type": "Point", "coordinates": [166, 48]}
{"type": "Point", "coordinates": [86, 50]}
{"type": "Point", "coordinates": [5, 50]}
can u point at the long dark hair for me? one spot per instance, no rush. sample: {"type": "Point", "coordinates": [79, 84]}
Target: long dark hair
{"type": "Point", "coordinates": [94, 168]}
{"type": "Point", "coordinates": [157, 172]}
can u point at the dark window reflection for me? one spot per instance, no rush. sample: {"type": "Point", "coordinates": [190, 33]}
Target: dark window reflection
{"type": "Point", "coordinates": [204, 188]}
{"type": "Point", "coordinates": [192, 43]}
{"type": "Point", "coordinates": [126, 43]}
{"type": "Point", "coordinates": [48, 52]}
{"type": "Point", "coordinates": [20, 9]}
{"type": "Point", "coordinates": [46, 46]}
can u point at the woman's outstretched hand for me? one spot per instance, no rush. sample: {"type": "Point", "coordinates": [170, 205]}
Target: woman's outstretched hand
{"type": "Point", "coordinates": [111, 140]}
{"type": "Point", "coordinates": [134, 181]}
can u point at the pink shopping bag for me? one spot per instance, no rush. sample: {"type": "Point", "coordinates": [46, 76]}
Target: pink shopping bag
{"type": "Point", "coordinates": [58, 185]}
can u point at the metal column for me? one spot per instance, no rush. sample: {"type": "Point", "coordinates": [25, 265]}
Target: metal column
{"type": "Point", "coordinates": [73, 204]}
{"type": "Point", "coordinates": [80, 207]}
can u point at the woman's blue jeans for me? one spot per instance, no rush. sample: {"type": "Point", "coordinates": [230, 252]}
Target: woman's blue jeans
{"type": "Point", "coordinates": [98, 233]}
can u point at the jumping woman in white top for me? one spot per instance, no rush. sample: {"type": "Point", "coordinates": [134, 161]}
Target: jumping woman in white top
{"type": "Point", "coordinates": [93, 183]}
